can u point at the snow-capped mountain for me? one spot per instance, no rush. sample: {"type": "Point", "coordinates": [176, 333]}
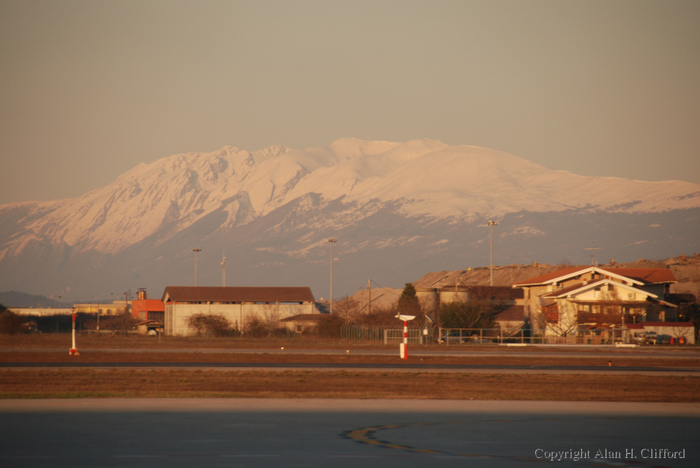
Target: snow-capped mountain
{"type": "Point", "coordinates": [270, 212]}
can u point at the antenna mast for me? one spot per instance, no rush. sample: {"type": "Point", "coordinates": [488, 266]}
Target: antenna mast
{"type": "Point", "coordinates": [593, 249]}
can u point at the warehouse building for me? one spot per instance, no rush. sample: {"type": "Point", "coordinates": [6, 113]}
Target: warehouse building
{"type": "Point", "coordinates": [237, 304]}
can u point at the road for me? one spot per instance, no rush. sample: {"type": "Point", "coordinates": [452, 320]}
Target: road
{"type": "Point", "coordinates": [344, 433]}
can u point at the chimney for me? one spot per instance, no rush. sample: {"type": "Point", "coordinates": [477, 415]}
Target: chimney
{"type": "Point", "coordinates": [141, 294]}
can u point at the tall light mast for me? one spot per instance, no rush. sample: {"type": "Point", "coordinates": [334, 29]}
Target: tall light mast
{"type": "Point", "coordinates": [492, 223]}
{"type": "Point", "coordinates": [223, 271]}
{"type": "Point", "coordinates": [196, 251]}
{"type": "Point", "coordinates": [332, 241]}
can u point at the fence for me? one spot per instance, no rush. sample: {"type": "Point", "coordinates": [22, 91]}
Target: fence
{"type": "Point", "coordinates": [414, 335]}
{"type": "Point", "coordinates": [482, 335]}
{"type": "Point", "coordinates": [386, 334]}
{"type": "Point", "coordinates": [518, 335]}
{"type": "Point", "coordinates": [452, 336]}
{"type": "Point", "coordinates": [358, 332]}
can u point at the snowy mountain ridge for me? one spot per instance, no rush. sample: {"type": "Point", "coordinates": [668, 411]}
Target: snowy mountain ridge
{"type": "Point", "coordinates": [427, 178]}
{"type": "Point", "coordinates": [398, 210]}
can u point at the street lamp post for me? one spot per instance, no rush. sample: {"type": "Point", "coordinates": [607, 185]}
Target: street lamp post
{"type": "Point", "coordinates": [196, 251]}
{"type": "Point", "coordinates": [491, 225]}
{"type": "Point", "coordinates": [332, 241]}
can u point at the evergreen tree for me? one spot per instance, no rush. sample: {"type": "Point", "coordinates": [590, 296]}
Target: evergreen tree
{"type": "Point", "coordinates": [408, 302]}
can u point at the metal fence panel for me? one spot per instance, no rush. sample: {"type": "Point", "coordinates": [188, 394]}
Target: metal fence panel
{"type": "Point", "coordinates": [414, 335]}
{"type": "Point", "coordinates": [385, 334]}
{"type": "Point", "coordinates": [497, 335]}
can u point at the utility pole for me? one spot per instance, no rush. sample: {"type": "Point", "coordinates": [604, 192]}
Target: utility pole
{"type": "Point", "coordinates": [332, 241]}
{"type": "Point", "coordinates": [196, 251]}
{"type": "Point", "coordinates": [492, 224]}
{"type": "Point", "coordinates": [369, 296]}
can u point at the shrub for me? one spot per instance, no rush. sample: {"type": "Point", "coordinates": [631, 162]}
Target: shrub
{"type": "Point", "coordinates": [258, 327]}
{"type": "Point", "coordinates": [121, 322]}
{"type": "Point", "coordinates": [210, 325]}
{"type": "Point", "coordinates": [11, 324]}
{"type": "Point", "coordinates": [330, 326]}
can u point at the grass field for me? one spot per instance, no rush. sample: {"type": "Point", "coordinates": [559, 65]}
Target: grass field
{"type": "Point", "coordinates": [410, 384]}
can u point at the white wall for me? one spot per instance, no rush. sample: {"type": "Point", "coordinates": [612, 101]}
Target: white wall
{"type": "Point", "coordinates": [40, 311]}
{"type": "Point", "coordinates": [176, 315]}
{"type": "Point", "coordinates": [673, 331]}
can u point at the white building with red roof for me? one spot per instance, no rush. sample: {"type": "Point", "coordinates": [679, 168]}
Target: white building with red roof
{"type": "Point", "coordinates": [570, 299]}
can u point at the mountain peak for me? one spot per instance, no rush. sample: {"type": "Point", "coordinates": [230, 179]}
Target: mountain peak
{"type": "Point", "coordinates": [278, 192]}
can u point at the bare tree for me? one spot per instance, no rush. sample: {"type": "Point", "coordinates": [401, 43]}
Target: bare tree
{"type": "Point", "coordinates": [559, 317]}
{"type": "Point", "coordinates": [466, 314]}
{"type": "Point", "coordinates": [348, 309]}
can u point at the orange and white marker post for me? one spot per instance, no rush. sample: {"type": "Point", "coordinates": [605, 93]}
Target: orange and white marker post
{"type": "Point", "coordinates": [403, 347]}
{"type": "Point", "coordinates": [74, 349]}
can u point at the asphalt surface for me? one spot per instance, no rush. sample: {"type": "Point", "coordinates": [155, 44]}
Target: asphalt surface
{"type": "Point", "coordinates": [571, 351]}
{"type": "Point", "coordinates": [405, 367]}
{"type": "Point", "coordinates": [207, 433]}
{"type": "Point", "coordinates": [602, 353]}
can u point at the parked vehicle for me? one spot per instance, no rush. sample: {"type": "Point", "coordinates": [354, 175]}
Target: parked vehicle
{"type": "Point", "coordinates": [477, 339]}
{"type": "Point", "coordinates": [645, 337]}
{"type": "Point", "coordinates": [453, 337]}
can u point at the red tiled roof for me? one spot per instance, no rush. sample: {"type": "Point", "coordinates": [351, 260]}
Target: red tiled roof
{"type": "Point", "coordinates": [549, 276]}
{"type": "Point", "coordinates": [559, 292]}
{"type": "Point", "coordinates": [237, 294]}
{"type": "Point", "coordinates": [645, 275]}
{"type": "Point", "coordinates": [511, 314]}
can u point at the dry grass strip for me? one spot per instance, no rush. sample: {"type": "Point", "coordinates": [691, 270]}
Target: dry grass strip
{"type": "Point", "coordinates": [164, 383]}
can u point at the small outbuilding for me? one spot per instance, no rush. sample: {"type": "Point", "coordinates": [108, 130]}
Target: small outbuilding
{"type": "Point", "coordinates": [663, 332]}
{"type": "Point", "coordinates": [304, 323]}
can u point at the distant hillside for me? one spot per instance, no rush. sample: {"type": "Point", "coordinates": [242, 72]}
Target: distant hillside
{"type": "Point", "coordinates": [685, 269]}
{"type": "Point", "coordinates": [18, 299]}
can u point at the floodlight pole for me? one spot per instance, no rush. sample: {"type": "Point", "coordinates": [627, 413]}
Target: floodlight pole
{"type": "Point", "coordinates": [196, 251]}
{"type": "Point", "coordinates": [332, 241]}
{"type": "Point", "coordinates": [492, 224]}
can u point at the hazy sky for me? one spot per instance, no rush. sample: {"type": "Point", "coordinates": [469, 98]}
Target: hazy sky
{"type": "Point", "coordinates": [89, 89]}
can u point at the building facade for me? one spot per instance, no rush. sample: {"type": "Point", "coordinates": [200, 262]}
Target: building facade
{"type": "Point", "coordinates": [239, 305]}
{"type": "Point", "coordinates": [576, 298]}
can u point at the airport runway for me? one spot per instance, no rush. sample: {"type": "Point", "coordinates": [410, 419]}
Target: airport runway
{"type": "Point", "coordinates": [548, 351]}
{"type": "Point", "coordinates": [344, 433]}
{"type": "Point", "coordinates": [376, 367]}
